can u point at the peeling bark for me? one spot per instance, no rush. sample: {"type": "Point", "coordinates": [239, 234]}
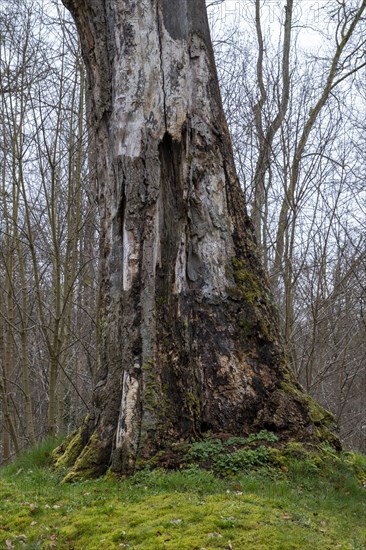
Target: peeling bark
{"type": "Point", "coordinates": [188, 338]}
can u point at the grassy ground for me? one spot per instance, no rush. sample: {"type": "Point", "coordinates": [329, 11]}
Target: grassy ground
{"type": "Point", "coordinates": [294, 499]}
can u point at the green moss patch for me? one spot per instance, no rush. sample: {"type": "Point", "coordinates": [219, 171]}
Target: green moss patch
{"type": "Point", "coordinates": [318, 415]}
{"type": "Point", "coordinates": [66, 454]}
{"type": "Point", "coordinates": [306, 500]}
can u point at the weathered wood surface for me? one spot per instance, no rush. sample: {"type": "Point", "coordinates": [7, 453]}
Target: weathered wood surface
{"type": "Point", "coordinates": [188, 335]}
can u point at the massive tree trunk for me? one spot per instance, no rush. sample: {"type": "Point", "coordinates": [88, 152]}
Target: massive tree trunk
{"type": "Point", "coordinates": [188, 337]}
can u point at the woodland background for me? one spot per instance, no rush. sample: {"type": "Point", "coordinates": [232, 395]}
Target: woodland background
{"type": "Point", "coordinates": [294, 95]}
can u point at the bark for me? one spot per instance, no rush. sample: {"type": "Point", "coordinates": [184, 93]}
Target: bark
{"type": "Point", "coordinates": [188, 337]}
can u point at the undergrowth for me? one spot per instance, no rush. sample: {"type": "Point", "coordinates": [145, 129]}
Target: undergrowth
{"type": "Point", "coordinates": [235, 454]}
{"type": "Point", "coordinates": [250, 495]}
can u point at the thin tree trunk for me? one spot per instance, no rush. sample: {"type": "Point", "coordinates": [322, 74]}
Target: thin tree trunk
{"type": "Point", "coordinates": [188, 337]}
{"type": "Point", "coordinates": [265, 136]}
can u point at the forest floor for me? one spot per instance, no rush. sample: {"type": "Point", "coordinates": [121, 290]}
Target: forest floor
{"type": "Point", "coordinates": [298, 499]}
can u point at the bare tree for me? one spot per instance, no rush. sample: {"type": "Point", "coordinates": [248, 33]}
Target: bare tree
{"type": "Point", "coordinates": [48, 230]}
{"type": "Point", "coordinates": [188, 337]}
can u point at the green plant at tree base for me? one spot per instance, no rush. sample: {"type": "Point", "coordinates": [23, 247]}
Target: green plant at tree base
{"type": "Point", "coordinates": [224, 457]}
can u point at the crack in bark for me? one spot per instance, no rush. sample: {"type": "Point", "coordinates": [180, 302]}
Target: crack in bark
{"type": "Point", "coordinates": [160, 30]}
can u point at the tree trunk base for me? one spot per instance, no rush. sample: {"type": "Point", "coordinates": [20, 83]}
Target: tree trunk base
{"type": "Point", "coordinates": [289, 413]}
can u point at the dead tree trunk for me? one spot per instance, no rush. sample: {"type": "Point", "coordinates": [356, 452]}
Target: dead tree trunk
{"type": "Point", "coordinates": [188, 338]}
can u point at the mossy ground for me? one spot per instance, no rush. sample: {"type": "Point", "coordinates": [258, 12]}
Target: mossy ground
{"type": "Point", "coordinates": [307, 500]}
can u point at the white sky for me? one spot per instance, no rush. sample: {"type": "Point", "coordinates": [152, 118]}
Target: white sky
{"type": "Point", "coordinates": [310, 15]}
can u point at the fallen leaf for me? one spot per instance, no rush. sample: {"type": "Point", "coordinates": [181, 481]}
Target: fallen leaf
{"type": "Point", "coordinates": [9, 544]}
{"type": "Point", "coordinates": [53, 539]}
